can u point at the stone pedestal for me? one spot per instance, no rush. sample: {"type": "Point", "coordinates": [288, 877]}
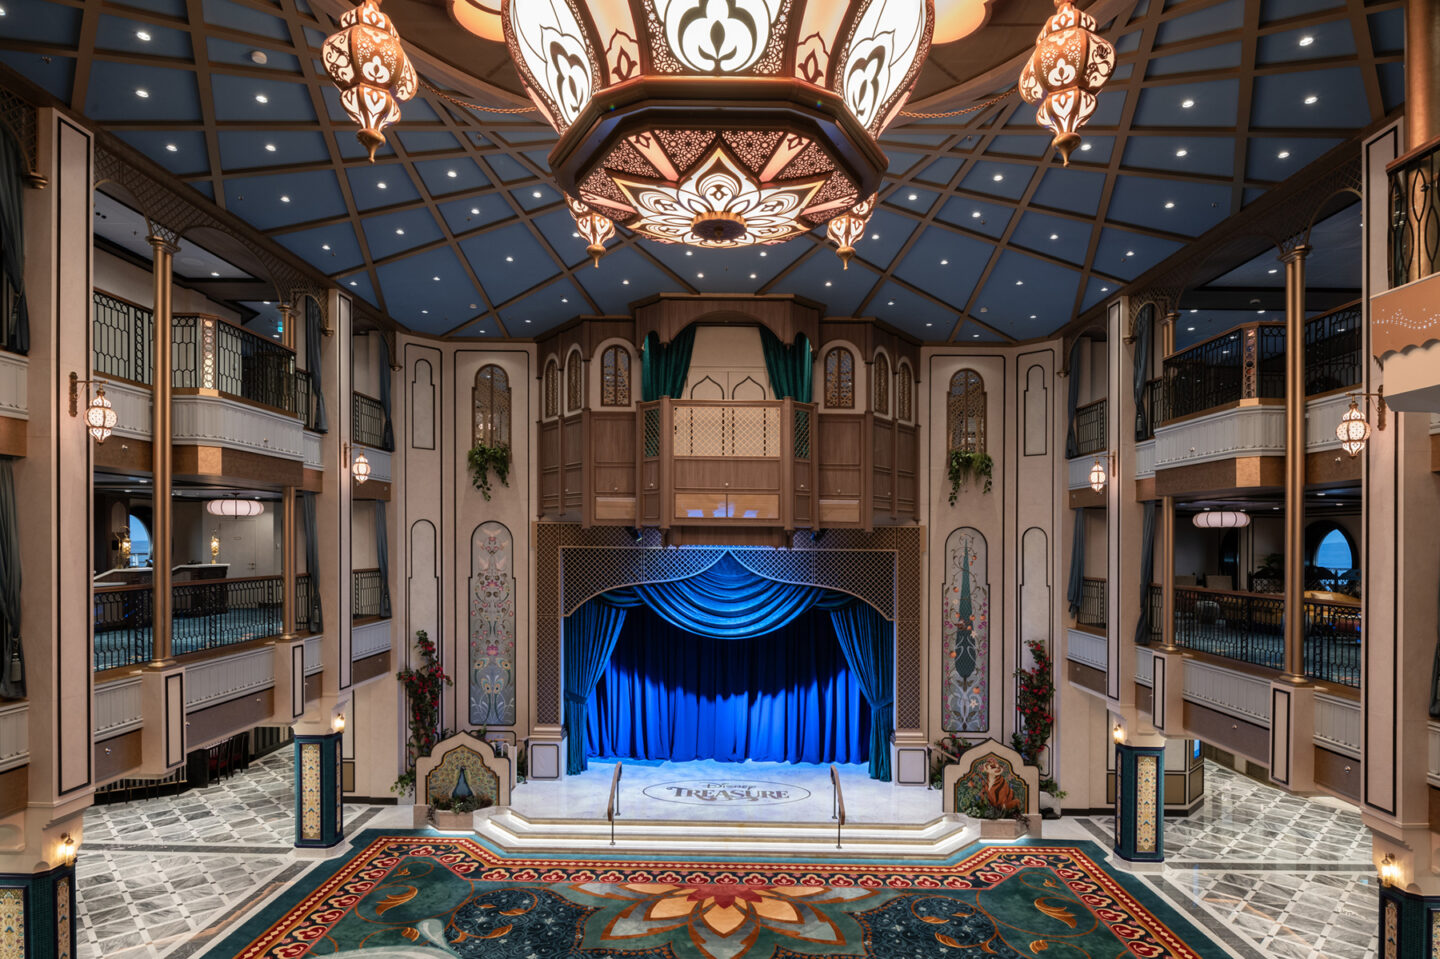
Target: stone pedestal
{"type": "Point", "coordinates": [319, 805]}
{"type": "Point", "coordinates": [1140, 803]}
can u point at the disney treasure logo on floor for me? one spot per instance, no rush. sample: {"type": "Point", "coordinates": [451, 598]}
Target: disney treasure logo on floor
{"type": "Point", "coordinates": [704, 792]}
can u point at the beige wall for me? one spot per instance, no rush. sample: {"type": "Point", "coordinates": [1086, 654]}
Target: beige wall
{"type": "Point", "coordinates": [122, 278]}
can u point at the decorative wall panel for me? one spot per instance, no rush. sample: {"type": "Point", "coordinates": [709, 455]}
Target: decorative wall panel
{"type": "Point", "coordinates": [1147, 793]}
{"type": "Point", "coordinates": [965, 634]}
{"type": "Point", "coordinates": [1037, 412]}
{"type": "Point", "coordinates": [422, 406]}
{"type": "Point", "coordinates": [492, 626]}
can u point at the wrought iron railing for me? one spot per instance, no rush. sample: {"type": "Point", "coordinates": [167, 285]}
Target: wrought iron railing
{"type": "Point", "coordinates": [1414, 242]}
{"type": "Point", "coordinates": [206, 615]}
{"type": "Point", "coordinates": [1332, 642]}
{"type": "Point", "coordinates": [307, 405]}
{"type": "Point", "coordinates": [1250, 628]}
{"type": "Point", "coordinates": [366, 589]}
{"type": "Point", "coordinates": [304, 586]}
{"type": "Point", "coordinates": [1334, 350]}
{"type": "Point", "coordinates": [1153, 402]}
{"type": "Point", "coordinates": [9, 317]}
{"type": "Point", "coordinates": [367, 421]}
{"type": "Point", "coordinates": [1156, 598]}
{"type": "Point", "coordinates": [1244, 363]}
{"type": "Point", "coordinates": [1092, 604]}
{"type": "Point", "coordinates": [121, 339]}
{"type": "Point", "coordinates": [1090, 434]}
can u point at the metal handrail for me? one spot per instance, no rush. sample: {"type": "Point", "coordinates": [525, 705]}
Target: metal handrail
{"type": "Point", "coordinates": [837, 805]}
{"type": "Point", "coordinates": [612, 808]}
{"type": "Point", "coordinates": [1090, 428]}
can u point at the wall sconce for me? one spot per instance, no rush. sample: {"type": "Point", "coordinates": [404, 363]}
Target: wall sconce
{"type": "Point", "coordinates": [214, 547]}
{"type": "Point", "coordinates": [1389, 871]}
{"type": "Point", "coordinates": [1118, 733]}
{"type": "Point", "coordinates": [359, 467]}
{"type": "Point", "coordinates": [338, 723]}
{"type": "Point", "coordinates": [125, 548]}
{"type": "Point", "coordinates": [100, 416]}
{"type": "Point", "coordinates": [1353, 429]}
{"type": "Point", "coordinates": [68, 848]}
{"type": "Point", "coordinates": [1098, 476]}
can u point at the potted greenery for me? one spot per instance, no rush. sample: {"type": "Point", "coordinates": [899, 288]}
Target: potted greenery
{"type": "Point", "coordinates": [1034, 701]}
{"type": "Point", "coordinates": [965, 465]}
{"type": "Point", "coordinates": [997, 822]}
{"type": "Point", "coordinates": [485, 459]}
{"type": "Point", "coordinates": [456, 815]}
{"type": "Point", "coordinates": [1269, 576]}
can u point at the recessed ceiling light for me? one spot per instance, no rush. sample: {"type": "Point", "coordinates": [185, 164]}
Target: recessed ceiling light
{"type": "Point", "coordinates": [689, 252]}
{"type": "Point", "coordinates": [1261, 312]}
{"type": "Point", "coordinates": [763, 253]}
{"type": "Point", "coordinates": [435, 278]}
{"type": "Point", "coordinates": [1319, 494]}
{"type": "Point", "coordinates": [998, 177]}
{"type": "Point", "coordinates": [1311, 100]}
{"type": "Point", "coordinates": [269, 148]}
{"type": "Point", "coordinates": [324, 246]}
{"type": "Point", "coordinates": [944, 262]}
{"type": "Point", "coordinates": [564, 299]}
{"type": "Point", "coordinates": [1283, 154]}
{"type": "Point", "coordinates": [475, 211]}
{"type": "Point", "coordinates": [1194, 311]}
{"type": "Point", "coordinates": [1169, 204]}
{"type": "Point", "coordinates": [975, 336]}
{"type": "Point", "coordinates": [929, 324]}
{"type": "Point", "coordinates": [142, 93]}
{"type": "Point", "coordinates": [284, 199]}
{"type": "Point", "coordinates": [1275, 269]}
{"type": "Point", "coordinates": [451, 173]}
{"type": "Point", "coordinates": [1032, 316]}
{"type": "Point", "coordinates": [1181, 152]}
{"type": "Point", "coordinates": [700, 276]}
{"type": "Point", "coordinates": [874, 236]}
{"type": "Point", "coordinates": [1054, 236]}
{"type": "Point", "coordinates": [891, 303]}
{"type": "Point", "coordinates": [1104, 289]}
{"type": "Point", "coordinates": [424, 311]}
{"type": "Point", "coordinates": [1187, 103]}
{"type": "Point", "coordinates": [399, 231]}
{"type": "Point", "coordinates": [752, 276]}
{"type": "Point", "coordinates": [627, 282]}
{"type": "Point", "coordinates": [1189, 329]}
{"type": "Point", "coordinates": [1129, 252]}
{"type": "Point", "coordinates": [142, 35]}
{"type": "Point", "coordinates": [214, 273]}
{"type": "Point", "coordinates": [537, 194]}
{"type": "Point", "coordinates": [261, 98]}
{"type": "Point", "coordinates": [172, 147]}
{"type": "Point", "coordinates": [1305, 41]}
{"type": "Point", "coordinates": [914, 196]}
{"type": "Point", "coordinates": [1019, 282]}
{"type": "Point", "coordinates": [352, 282]}
{"type": "Point", "coordinates": [975, 214]}
{"type": "Point", "coordinates": [509, 259]}
{"type": "Point", "coordinates": [828, 283]}
{"type": "Point", "coordinates": [527, 321]}
{"type": "Point", "coordinates": [380, 184]}
{"type": "Point", "coordinates": [1084, 146]}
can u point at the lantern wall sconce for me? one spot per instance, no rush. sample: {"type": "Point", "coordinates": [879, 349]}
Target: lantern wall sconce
{"type": "Point", "coordinates": [1118, 733]}
{"type": "Point", "coordinates": [1353, 429]}
{"type": "Point", "coordinates": [338, 723]}
{"type": "Point", "coordinates": [1098, 474]}
{"type": "Point", "coordinates": [1389, 871]}
{"type": "Point", "coordinates": [100, 417]}
{"type": "Point", "coordinates": [359, 467]}
{"type": "Point", "coordinates": [68, 848]}
{"type": "Point", "coordinates": [214, 547]}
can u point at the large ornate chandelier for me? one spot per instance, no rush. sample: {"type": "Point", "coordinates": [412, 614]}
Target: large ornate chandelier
{"type": "Point", "coordinates": [1065, 73]}
{"type": "Point", "coordinates": [371, 70]}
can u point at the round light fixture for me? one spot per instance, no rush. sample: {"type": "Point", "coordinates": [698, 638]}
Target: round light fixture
{"type": "Point", "coordinates": [1353, 430]}
{"type": "Point", "coordinates": [1097, 476]}
{"type": "Point", "coordinates": [100, 418]}
{"type": "Point", "coordinates": [360, 468]}
{"type": "Point", "coordinates": [235, 507]}
{"type": "Point", "coordinates": [1222, 519]}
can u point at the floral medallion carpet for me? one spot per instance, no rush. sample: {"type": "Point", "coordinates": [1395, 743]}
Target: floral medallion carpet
{"type": "Point", "coordinates": [425, 895]}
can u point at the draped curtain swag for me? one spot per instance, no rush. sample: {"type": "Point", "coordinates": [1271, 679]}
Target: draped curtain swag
{"type": "Point", "coordinates": [14, 328]}
{"type": "Point", "coordinates": [864, 637]}
{"type": "Point", "coordinates": [12, 657]}
{"type": "Point", "coordinates": [590, 635]}
{"type": "Point", "coordinates": [1072, 402]}
{"type": "Point", "coordinates": [791, 368]}
{"type": "Point", "coordinates": [312, 360]}
{"type": "Point", "coordinates": [664, 368]}
{"type": "Point", "coordinates": [1144, 362]}
{"type": "Point", "coordinates": [314, 617]}
{"type": "Point", "coordinates": [388, 440]}
{"type": "Point", "coordinates": [382, 558]}
{"type": "Point", "coordinates": [1147, 574]}
{"type": "Point", "coordinates": [1077, 564]}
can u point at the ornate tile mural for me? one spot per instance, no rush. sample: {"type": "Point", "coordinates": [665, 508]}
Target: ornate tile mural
{"type": "Point", "coordinates": [492, 626]}
{"type": "Point", "coordinates": [309, 790]}
{"type": "Point", "coordinates": [965, 637]}
{"type": "Point", "coordinates": [12, 923]}
{"type": "Point", "coordinates": [1147, 795]}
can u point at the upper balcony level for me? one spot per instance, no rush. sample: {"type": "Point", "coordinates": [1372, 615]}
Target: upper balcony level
{"type": "Point", "coordinates": [1404, 327]}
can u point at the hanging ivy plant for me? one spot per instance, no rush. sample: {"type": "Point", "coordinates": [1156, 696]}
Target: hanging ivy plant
{"type": "Point", "coordinates": [483, 460]}
{"type": "Point", "coordinates": [422, 693]}
{"type": "Point", "coordinates": [965, 466]}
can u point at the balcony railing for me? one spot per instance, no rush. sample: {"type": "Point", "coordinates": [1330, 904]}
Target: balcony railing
{"type": "Point", "coordinates": [1333, 345]}
{"type": "Point", "coordinates": [1250, 628]}
{"type": "Point", "coordinates": [1092, 604]}
{"type": "Point", "coordinates": [306, 404]}
{"type": "Point", "coordinates": [206, 615]}
{"type": "Point", "coordinates": [367, 421]}
{"type": "Point", "coordinates": [1155, 407]}
{"type": "Point", "coordinates": [1090, 428]}
{"type": "Point", "coordinates": [1414, 247]}
{"type": "Point", "coordinates": [1156, 598]}
{"type": "Point", "coordinates": [303, 587]}
{"type": "Point", "coordinates": [366, 588]}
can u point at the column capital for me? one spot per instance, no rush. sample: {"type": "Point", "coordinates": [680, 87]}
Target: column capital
{"type": "Point", "coordinates": [1297, 252]}
{"type": "Point", "coordinates": [163, 240]}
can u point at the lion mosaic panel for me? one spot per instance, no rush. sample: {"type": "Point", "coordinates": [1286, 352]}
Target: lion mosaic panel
{"type": "Point", "coordinates": [467, 763]}
{"type": "Point", "coordinates": [995, 776]}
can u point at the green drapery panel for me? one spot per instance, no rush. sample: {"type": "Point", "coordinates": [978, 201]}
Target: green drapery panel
{"type": "Point", "coordinates": [590, 635]}
{"type": "Point", "coordinates": [664, 368]}
{"type": "Point", "coordinates": [791, 368]}
{"type": "Point", "coordinates": [15, 328]}
{"type": "Point", "coordinates": [313, 331]}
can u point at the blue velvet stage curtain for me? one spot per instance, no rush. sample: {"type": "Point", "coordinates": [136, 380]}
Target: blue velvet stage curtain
{"type": "Point", "coordinates": [727, 601]}
{"type": "Point", "coordinates": [868, 643]}
{"type": "Point", "coordinates": [785, 696]}
{"type": "Point", "coordinates": [590, 635]}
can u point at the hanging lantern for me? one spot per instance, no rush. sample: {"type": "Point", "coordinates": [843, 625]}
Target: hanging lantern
{"type": "Point", "coordinates": [847, 229]}
{"type": "Point", "coordinates": [235, 507]}
{"type": "Point", "coordinates": [1097, 476]}
{"type": "Point", "coordinates": [360, 468]}
{"type": "Point", "coordinates": [1221, 519]}
{"type": "Point", "coordinates": [1065, 73]}
{"type": "Point", "coordinates": [1353, 430]}
{"type": "Point", "coordinates": [100, 418]}
{"type": "Point", "coordinates": [596, 228]}
{"type": "Point", "coordinates": [369, 66]}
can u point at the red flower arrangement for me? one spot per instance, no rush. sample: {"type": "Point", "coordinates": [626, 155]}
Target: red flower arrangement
{"type": "Point", "coordinates": [1034, 700]}
{"type": "Point", "coordinates": [422, 693]}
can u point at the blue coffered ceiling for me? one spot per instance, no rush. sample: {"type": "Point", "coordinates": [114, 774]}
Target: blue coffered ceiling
{"type": "Point", "coordinates": [980, 234]}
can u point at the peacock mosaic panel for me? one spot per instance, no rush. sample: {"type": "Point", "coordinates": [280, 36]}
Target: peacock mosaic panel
{"type": "Point", "coordinates": [965, 634]}
{"type": "Point", "coordinates": [492, 626]}
{"type": "Point", "coordinates": [460, 774]}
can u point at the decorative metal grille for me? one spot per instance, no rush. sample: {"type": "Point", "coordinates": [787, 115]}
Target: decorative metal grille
{"type": "Point", "coordinates": [552, 390]}
{"type": "Point", "coordinates": [743, 431]}
{"type": "Point", "coordinates": [1414, 241]}
{"type": "Point", "coordinates": [212, 354]}
{"type": "Point", "coordinates": [1090, 431]}
{"type": "Point", "coordinates": [802, 434]}
{"type": "Point", "coordinates": [882, 384]}
{"type": "Point", "coordinates": [840, 379]}
{"type": "Point", "coordinates": [652, 431]}
{"type": "Point", "coordinates": [367, 421]}
{"type": "Point", "coordinates": [615, 376]}
{"type": "Point", "coordinates": [574, 384]}
{"type": "Point", "coordinates": [122, 337]}
{"type": "Point", "coordinates": [1241, 364]}
{"type": "Point", "coordinates": [491, 415]}
{"type": "Point", "coordinates": [965, 412]}
{"type": "Point", "coordinates": [905, 394]}
{"type": "Point", "coordinates": [1333, 350]}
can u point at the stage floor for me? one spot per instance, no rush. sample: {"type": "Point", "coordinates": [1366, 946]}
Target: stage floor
{"type": "Point", "coordinates": [712, 791]}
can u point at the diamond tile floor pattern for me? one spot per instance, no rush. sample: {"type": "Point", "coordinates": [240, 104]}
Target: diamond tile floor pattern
{"type": "Point", "coordinates": [1265, 873]}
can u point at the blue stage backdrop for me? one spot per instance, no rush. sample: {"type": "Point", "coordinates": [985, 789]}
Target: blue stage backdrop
{"type": "Point", "coordinates": [732, 673]}
{"type": "Point", "coordinates": [785, 696]}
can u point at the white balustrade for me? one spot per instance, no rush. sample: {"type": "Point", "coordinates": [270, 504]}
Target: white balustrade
{"type": "Point", "coordinates": [313, 662]}
{"type": "Point", "coordinates": [217, 421]}
{"type": "Point", "coordinates": [1087, 649]}
{"type": "Point", "coordinates": [1246, 431]}
{"type": "Point", "coordinates": [118, 708]}
{"type": "Point", "coordinates": [370, 639]}
{"type": "Point", "coordinates": [14, 386]}
{"type": "Point", "coordinates": [14, 735]}
{"type": "Point", "coordinates": [216, 680]}
{"type": "Point", "coordinates": [1144, 666]}
{"type": "Point", "coordinates": [1228, 691]}
{"type": "Point", "coordinates": [1338, 725]}
{"type": "Point", "coordinates": [314, 458]}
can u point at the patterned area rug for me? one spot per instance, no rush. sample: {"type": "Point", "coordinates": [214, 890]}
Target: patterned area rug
{"type": "Point", "coordinates": [423, 895]}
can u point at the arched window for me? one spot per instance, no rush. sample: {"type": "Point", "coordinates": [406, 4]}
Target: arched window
{"type": "Point", "coordinates": [905, 394]}
{"type": "Point", "coordinates": [574, 383]}
{"type": "Point", "coordinates": [1331, 558]}
{"type": "Point", "coordinates": [966, 412]}
{"type": "Point", "coordinates": [882, 384]}
{"type": "Point", "coordinates": [139, 542]}
{"type": "Point", "coordinates": [552, 389]}
{"type": "Point", "coordinates": [615, 376]}
{"type": "Point", "coordinates": [491, 416]}
{"type": "Point", "coordinates": [840, 379]}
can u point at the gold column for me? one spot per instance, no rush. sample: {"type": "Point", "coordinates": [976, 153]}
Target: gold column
{"type": "Point", "coordinates": [287, 326]}
{"type": "Point", "coordinates": [162, 381]}
{"type": "Point", "coordinates": [1167, 510]}
{"type": "Point", "coordinates": [1422, 72]}
{"type": "Point", "coordinates": [1295, 463]}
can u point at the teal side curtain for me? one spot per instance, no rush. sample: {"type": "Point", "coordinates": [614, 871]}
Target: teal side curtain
{"type": "Point", "coordinates": [1147, 573]}
{"type": "Point", "coordinates": [590, 635]}
{"type": "Point", "coordinates": [1144, 335]}
{"type": "Point", "coordinates": [14, 329]}
{"type": "Point", "coordinates": [1077, 564]}
{"type": "Point", "coordinates": [868, 643]}
{"type": "Point", "coordinates": [315, 621]}
{"type": "Point", "coordinates": [664, 368]}
{"type": "Point", "coordinates": [382, 558]}
{"type": "Point", "coordinates": [791, 368]}
{"type": "Point", "coordinates": [388, 437]}
{"type": "Point", "coordinates": [1072, 402]}
{"type": "Point", "coordinates": [312, 359]}
{"type": "Point", "coordinates": [12, 658]}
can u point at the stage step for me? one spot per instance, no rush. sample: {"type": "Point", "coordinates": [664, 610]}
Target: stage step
{"type": "Point", "coordinates": [939, 837]}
